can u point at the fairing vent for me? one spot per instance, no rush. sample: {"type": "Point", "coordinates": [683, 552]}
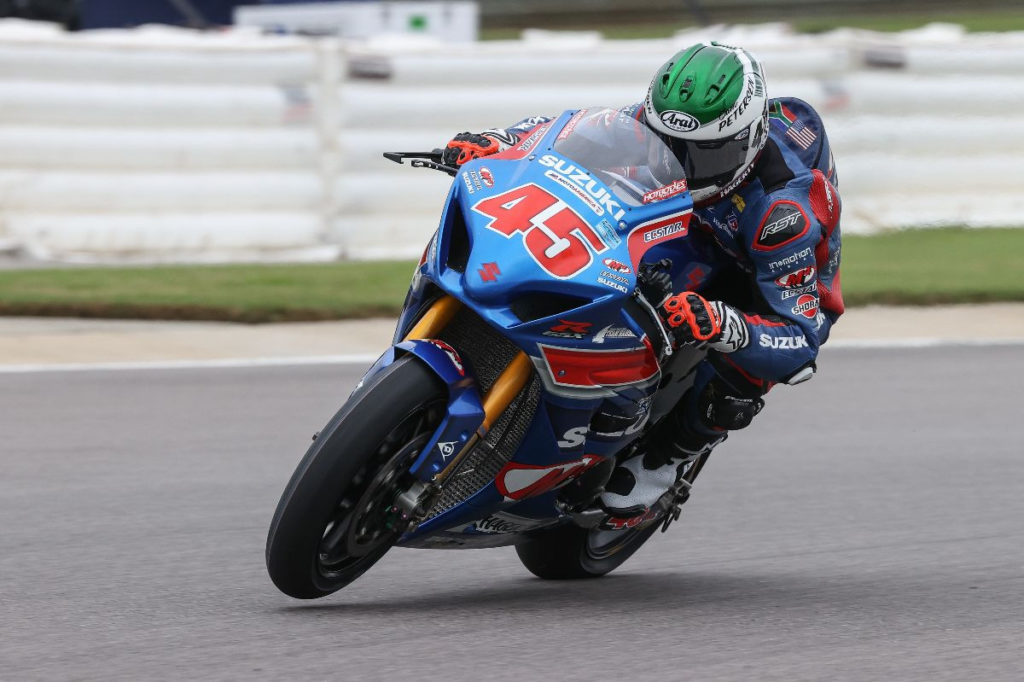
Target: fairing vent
{"type": "Point", "coordinates": [487, 350]}
{"type": "Point", "coordinates": [458, 241]}
{"type": "Point", "coordinates": [534, 306]}
{"type": "Point", "coordinates": [481, 465]}
{"type": "Point", "coordinates": [488, 353]}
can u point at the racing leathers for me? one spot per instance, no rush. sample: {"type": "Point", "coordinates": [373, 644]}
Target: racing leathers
{"type": "Point", "coordinates": [766, 252]}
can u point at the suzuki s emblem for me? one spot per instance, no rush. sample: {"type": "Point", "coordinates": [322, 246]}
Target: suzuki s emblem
{"type": "Point", "coordinates": [489, 272]}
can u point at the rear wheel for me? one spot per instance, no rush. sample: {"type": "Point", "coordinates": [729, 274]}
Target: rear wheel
{"type": "Point", "coordinates": [336, 517]}
{"type": "Point", "coordinates": [571, 552]}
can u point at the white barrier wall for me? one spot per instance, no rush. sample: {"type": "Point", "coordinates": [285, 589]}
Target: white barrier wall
{"type": "Point", "coordinates": [160, 144]}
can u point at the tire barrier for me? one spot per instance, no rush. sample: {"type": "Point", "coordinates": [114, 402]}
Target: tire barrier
{"type": "Point", "coordinates": [160, 144]}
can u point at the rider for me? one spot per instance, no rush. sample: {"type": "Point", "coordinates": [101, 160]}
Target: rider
{"type": "Point", "coordinates": [766, 222]}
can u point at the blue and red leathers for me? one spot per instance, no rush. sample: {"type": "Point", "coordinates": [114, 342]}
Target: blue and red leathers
{"type": "Point", "coordinates": [769, 247]}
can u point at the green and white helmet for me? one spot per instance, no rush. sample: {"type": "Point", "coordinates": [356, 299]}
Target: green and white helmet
{"type": "Point", "coordinates": [708, 103]}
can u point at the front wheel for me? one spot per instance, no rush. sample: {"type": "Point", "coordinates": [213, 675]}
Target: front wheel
{"type": "Point", "coordinates": [336, 516]}
{"type": "Point", "coordinates": [570, 552]}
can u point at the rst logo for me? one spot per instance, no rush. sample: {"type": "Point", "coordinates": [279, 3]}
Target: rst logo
{"type": "Point", "coordinates": [784, 224]}
{"type": "Point", "coordinates": [555, 236]}
{"type": "Point", "coordinates": [781, 224]}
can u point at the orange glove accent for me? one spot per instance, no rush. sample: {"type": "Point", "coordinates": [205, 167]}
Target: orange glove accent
{"type": "Point", "coordinates": [692, 318]}
{"type": "Point", "coordinates": [465, 147]}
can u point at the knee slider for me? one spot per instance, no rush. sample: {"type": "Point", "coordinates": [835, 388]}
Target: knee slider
{"type": "Point", "coordinates": [721, 408]}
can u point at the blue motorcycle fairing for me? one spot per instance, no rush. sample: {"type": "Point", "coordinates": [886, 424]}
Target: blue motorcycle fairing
{"type": "Point", "coordinates": [464, 414]}
{"type": "Point", "coordinates": [504, 263]}
{"type": "Point", "coordinates": [536, 445]}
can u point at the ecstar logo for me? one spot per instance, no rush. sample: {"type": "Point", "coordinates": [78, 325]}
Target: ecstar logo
{"type": "Point", "coordinates": [664, 231]}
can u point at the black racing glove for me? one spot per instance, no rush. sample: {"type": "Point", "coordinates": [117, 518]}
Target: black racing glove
{"type": "Point", "coordinates": [655, 282]}
{"type": "Point", "coordinates": [693, 320]}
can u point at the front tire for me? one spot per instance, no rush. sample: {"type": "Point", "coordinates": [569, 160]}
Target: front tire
{"type": "Point", "coordinates": [335, 518]}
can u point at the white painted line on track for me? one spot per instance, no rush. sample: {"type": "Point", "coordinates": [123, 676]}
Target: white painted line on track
{"type": "Point", "coordinates": [224, 363]}
{"type": "Point", "coordinates": [840, 344]}
{"type": "Point", "coordinates": [367, 358]}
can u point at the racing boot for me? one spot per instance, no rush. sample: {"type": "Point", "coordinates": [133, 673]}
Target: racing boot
{"type": "Point", "coordinates": [668, 453]}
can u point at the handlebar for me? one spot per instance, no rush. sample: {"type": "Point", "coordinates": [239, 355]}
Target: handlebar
{"type": "Point", "coordinates": [430, 160]}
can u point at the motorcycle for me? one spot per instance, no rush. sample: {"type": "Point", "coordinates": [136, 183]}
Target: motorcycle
{"type": "Point", "coordinates": [525, 361]}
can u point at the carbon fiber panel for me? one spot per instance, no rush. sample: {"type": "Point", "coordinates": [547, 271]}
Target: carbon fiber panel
{"type": "Point", "coordinates": [481, 465]}
{"type": "Point", "coordinates": [484, 346]}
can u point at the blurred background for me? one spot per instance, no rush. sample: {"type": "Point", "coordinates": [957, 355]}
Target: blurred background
{"type": "Point", "coordinates": [190, 161]}
{"type": "Point", "coordinates": [199, 131]}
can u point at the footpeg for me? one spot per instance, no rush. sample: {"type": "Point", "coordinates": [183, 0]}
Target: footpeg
{"type": "Point", "coordinates": [671, 516]}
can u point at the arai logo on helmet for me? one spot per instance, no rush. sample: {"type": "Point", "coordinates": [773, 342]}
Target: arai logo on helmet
{"type": "Point", "coordinates": [677, 120]}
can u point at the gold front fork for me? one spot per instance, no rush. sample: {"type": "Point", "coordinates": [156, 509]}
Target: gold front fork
{"type": "Point", "coordinates": [435, 319]}
{"type": "Point", "coordinates": [504, 389]}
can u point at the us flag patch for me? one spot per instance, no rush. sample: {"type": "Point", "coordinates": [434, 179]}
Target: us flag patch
{"type": "Point", "coordinates": [801, 134]}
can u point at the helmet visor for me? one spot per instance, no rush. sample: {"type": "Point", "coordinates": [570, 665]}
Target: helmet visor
{"type": "Point", "coordinates": [705, 162]}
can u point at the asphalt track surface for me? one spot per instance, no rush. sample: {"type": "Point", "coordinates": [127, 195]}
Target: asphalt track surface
{"type": "Point", "coordinates": [869, 526]}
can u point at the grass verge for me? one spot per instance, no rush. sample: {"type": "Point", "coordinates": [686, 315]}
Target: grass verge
{"type": "Point", "coordinates": [236, 293]}
{"type": "Point", "coordinates": [916, 267]}
{"type": "Point", "coordinates": [922, 267]}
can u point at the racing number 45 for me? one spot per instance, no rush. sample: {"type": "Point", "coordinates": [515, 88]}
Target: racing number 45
{"type": "Point", "coordinates": [553, 233]}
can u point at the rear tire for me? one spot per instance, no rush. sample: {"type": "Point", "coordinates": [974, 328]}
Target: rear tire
{"type": "Point", "coordinates": [571, 553]}
{"type": "Point", "coordinates": [333, 521]}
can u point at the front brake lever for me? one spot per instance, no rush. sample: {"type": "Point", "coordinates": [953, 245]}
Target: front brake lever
{"type": "Point", "coordinates": [430, 160]}
{"type": "Point", "coordinates": [659, 323]}
{"type": "Point", "coordinates": [423, 163]}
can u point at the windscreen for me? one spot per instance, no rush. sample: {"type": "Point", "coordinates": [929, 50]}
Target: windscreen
{"type": "Point", "coordinates": [623, 153]}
